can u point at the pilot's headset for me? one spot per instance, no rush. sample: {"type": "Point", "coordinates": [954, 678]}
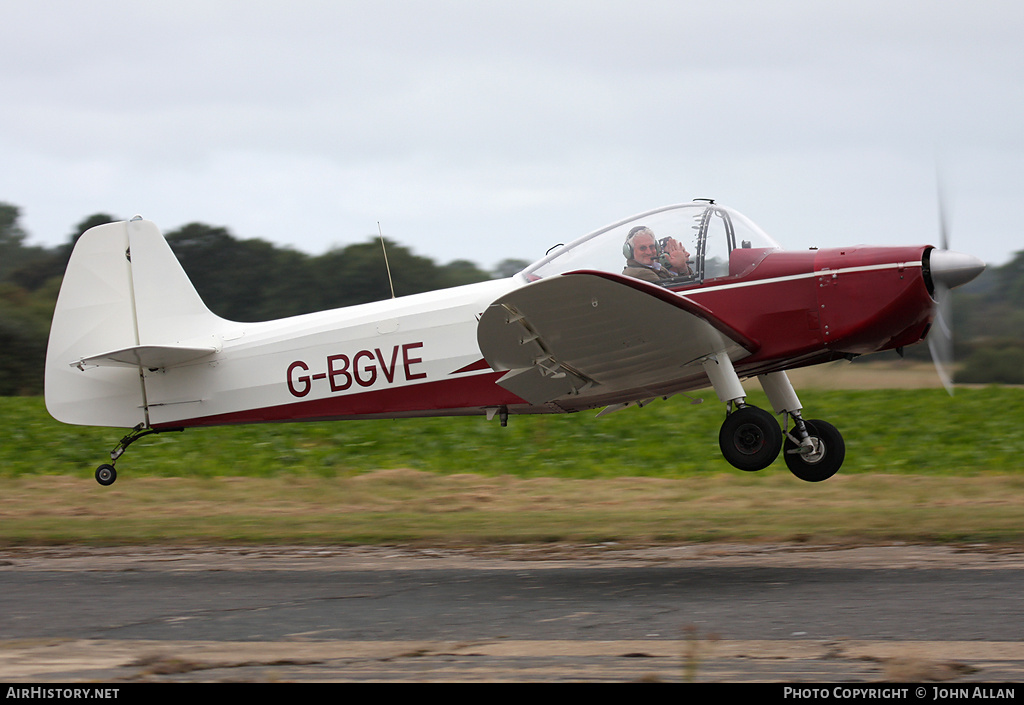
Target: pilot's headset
{"type": "Point", "coordinates": [627, 246]}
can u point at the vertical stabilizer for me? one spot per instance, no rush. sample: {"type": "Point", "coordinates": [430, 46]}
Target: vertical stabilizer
{"type": "Point", "coordinates": [123, 292]}
{"type": "Point", "coordinates": [168, 307]}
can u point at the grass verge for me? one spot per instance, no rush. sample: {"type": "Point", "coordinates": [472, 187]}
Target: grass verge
{"type": "Point", "coordinates": [408, 506]}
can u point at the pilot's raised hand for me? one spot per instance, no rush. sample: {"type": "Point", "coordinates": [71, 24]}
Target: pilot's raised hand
{"type": "Point", "coordinates": [677, 256]}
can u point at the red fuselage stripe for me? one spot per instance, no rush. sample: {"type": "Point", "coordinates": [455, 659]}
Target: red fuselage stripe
{"type": "Point", "coordinates": [476, 392]}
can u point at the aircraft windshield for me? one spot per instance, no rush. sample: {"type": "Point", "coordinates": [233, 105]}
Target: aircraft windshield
{"type": "Point", "coordinates": [675, 245]}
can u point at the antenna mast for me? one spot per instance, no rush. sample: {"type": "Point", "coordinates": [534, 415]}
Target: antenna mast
{"type": "Point", "coordinates": [386, 265]}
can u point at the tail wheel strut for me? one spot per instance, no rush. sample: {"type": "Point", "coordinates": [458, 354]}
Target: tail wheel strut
{"type": "Point", "coordinates": [106, 474]}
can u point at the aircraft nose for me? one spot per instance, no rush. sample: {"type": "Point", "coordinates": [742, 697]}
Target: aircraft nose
{"type": "Point", "coordinates": [951, 269]}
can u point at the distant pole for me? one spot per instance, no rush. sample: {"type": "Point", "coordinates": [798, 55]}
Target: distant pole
{"type": "Point", "coordinates": [386, 265]}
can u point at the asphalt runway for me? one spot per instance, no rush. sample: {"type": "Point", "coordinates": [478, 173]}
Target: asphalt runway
{"type": "Point", "coordinates": [553, 613]}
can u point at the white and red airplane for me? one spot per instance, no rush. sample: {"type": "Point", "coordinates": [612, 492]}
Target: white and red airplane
{"type": "Point", "coordinates": [621, 316]}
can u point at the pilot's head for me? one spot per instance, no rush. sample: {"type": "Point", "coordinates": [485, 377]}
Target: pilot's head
{"type": "Point", "coordinates": [642, 245]}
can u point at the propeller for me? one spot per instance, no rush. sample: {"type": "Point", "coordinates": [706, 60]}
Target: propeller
{"type": "Point", "coordinates": [946, 270]}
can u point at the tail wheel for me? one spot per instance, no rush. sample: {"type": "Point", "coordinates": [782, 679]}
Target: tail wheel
{"type": "Point", "coordinates": [750, 438]}
{"type": "Point", "coordinates": [106, 474]}
{"type": "Point", "coordinates": [826, 456]}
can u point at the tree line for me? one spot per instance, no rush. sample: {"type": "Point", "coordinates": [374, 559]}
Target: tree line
{"type": "Point", "coordinates": [253, 280]}
{"type": "Point", "coordinates": [988, 316]}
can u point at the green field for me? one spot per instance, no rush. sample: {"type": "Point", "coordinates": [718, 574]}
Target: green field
{"type": "Point", "coordinates": [920, 466]}
{"type": "Point", "coordinates": [890, 431]}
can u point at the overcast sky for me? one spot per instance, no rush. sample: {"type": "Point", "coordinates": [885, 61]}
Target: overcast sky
{"type": "Point", "coordinates": [486, 130]}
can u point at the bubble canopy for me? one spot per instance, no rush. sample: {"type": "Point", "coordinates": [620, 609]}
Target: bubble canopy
{"type": "Point", "coordinates": [674, 245]}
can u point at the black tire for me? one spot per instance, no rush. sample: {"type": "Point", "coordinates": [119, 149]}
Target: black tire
{"type": "Point", "coordinates": [750, 439]}
{"type": "Point", "coordinates": [106, 474]}
{"type": "Point", "coordinates": [830, 451]}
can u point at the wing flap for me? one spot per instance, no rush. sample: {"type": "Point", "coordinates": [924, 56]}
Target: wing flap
{"type": "Point", "coordinates": [584, 331]}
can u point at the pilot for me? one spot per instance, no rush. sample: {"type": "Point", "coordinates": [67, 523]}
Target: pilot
{"type": "Point", "coordinates": [645, 260]}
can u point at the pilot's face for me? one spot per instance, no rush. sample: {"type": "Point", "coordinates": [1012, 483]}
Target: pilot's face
{"type": "Point", "coordinates": [644, 249]}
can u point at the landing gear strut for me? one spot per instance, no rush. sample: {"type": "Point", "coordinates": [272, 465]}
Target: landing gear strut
{"type": "Point", "coordinates": [751, 439]}
{"type": "Point", "coordinates": [106, 474]}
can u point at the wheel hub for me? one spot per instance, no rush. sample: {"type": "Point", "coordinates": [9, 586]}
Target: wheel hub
{"type": "Point", "coordinates": [815, 453]}
{"type": "Point", "coordinates": [749, 439]}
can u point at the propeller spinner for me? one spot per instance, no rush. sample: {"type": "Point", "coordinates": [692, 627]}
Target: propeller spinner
{"type": "Point", "coordinates": [946, 270]}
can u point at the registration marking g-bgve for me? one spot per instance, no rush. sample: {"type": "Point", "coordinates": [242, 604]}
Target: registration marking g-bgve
{"type": "Point", "coordinates": [360, 368]}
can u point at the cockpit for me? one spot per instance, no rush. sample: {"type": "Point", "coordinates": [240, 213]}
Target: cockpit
{"type": "Point", "coordinates": [674, 246]}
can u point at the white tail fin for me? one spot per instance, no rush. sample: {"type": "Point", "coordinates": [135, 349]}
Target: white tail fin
{"type": "Point", "coordinates": [125, 306]}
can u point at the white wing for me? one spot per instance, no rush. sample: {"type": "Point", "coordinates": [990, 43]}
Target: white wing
{"type": "Point", "coordinates": [592, 333]}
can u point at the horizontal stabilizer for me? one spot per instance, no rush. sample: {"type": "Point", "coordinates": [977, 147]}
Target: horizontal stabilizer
{"type": "Point", "coordinates": [151, 357]}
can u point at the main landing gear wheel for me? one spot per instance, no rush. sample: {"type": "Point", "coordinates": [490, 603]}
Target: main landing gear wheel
{"type": "Point", "coordinates": [106, 474]}
{"type": "Point", "coordinates": [750, 438]}
{"type": "Point", "coordinates": [827, 454]}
